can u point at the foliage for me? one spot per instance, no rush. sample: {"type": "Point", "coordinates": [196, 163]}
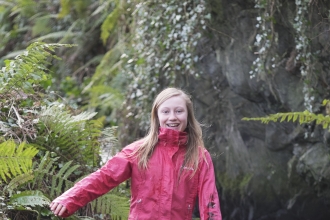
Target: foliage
{"type": "Point", "coordinates": [304, 117]}
{"type": "Point", "coordinates": [15, 160]}
{"type": "Point", "coordinates": [23, 81]}
{"type": "Point", "coordinates": [71, 137]}
{"type": "Point", "coordinates": [265, 39]}
{"type": "Point", "coordinates": [29, 198]}
{"type": "Point", "coordinates": [305, 57]}
{"type": "Point", "coordinates": [104, 89]}
{"type": "Point", "coordinates": [28, 69]}
{"type": "Point", "coordinates": [51, 180]}
{"type": "Point", "coordinates": [110, 22]}
{"type": "Point", "coordinates": [165, 35]}
{"type": "Point", "coordinates": [115, 204]}
{"type": "Point", "coordinates": [126, 44]}
{"type": "Point", "coordinates": [63, 22]}
{"type": "Point", "coordinates": [33, 115]}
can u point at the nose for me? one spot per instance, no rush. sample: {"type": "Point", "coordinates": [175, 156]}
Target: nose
{"type": "Point", "coordinates": [172, 116]}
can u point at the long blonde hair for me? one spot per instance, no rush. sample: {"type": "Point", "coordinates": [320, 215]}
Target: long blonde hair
{"type": "Point", "coordinates": [195, 142]}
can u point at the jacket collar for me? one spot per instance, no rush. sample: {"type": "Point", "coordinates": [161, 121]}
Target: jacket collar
{"type": "Point", "coordinates": [172, 137]}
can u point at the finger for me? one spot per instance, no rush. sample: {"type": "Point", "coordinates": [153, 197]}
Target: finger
{"type": "Point", "coordinates": [62, 211]}
{"type": "Point", "coordinates": [58, 209]}
{"type": "Point", "coordinates": [52, 206]}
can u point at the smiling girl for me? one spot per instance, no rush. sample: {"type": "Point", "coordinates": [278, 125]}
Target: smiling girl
{"type": "Point", "coordinates": [169, 168]}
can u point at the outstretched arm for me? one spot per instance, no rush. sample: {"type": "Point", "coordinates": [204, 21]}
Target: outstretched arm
{"type": "Point", "coordinates": [115, 171]}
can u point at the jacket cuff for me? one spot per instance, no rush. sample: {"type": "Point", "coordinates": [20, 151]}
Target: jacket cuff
{"type": "Point", "coordinates": [70, 208]}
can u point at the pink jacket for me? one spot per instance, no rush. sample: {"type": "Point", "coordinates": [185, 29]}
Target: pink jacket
{"type": "Point", "coordinates": [156, 193]}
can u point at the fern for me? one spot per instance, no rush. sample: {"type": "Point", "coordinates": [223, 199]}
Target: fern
{"type": "Point", "coordinates": [53, 182]}
{"type": "Point", "coordinates": [104, 88]}
{"type": "Point", "coordinates": [60, 177]}
{"type": "Point", "coordinates": [25, 7]}
{"type": "Point", "coordinates": [300, 117]}
{"type": "Point", "coordinates": [56, 35]}
{"type": "Point", "coordinates": [18, 181]}
{"type": "Point", "coordinates": [114, 205]}
{"type": "Point", "coordinates": [65, 8]}
{"type": "Point", "coordinates": [110, 23]}
{"type": "Point", "coordinates": [15, 160]}
{"type": "Point", "coordinates": [29, 68]}
{"type": "Point", "coordinates": [42, 25]}
{"type": "Point", "coordinates": [71, 137]}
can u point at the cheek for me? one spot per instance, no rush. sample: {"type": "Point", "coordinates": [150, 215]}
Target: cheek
{"type": "Point", "coordinates": [161, 120]}
{"type": "Point", "coordinates": [184, 118]}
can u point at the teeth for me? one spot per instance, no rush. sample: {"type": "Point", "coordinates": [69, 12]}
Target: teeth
{"type": "Point", "coordinates": [173, 125]}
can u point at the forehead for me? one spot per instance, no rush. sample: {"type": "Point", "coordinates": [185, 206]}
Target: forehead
{"type": "Point", "coordinates": [175, 101]}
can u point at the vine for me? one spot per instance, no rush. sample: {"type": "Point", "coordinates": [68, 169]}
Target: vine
{"type": "Point", "coordinates": [265, 39]}
{"type": "Point", "coordinates": [302, 57]}
{"type": "Point", "coordinates": [165, 35]}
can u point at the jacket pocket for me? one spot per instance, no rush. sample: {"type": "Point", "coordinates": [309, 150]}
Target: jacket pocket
{"type": "Point", "coordinates": [136, 209]}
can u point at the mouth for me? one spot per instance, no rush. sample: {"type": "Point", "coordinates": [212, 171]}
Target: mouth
{"type": "Point", "coordinates": [173, 125]}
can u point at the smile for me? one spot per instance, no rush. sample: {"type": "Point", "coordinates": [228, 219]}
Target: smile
{"type": "Point", "coordinates": [172, 125]}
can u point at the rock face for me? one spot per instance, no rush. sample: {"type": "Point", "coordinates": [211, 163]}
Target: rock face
{"type": "Point", "coordinates": [264, 171]}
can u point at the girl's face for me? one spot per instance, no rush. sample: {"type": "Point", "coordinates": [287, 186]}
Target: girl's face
{"type": "Point", "coordinates": [173, 114]}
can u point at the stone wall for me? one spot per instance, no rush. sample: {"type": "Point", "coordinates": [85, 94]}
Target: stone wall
{"type": "Point", "coordinates": [264, 171]}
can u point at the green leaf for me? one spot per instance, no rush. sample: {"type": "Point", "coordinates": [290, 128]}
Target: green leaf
{"type": "Point", "coordinates": [19, 180]}
{"type": "Point", "coordinates": [295, 116]}
{"type": "Point", "coordinates": [109, 24]}
{"type": "Point", "coordinates": [29, 198]}
{"type": "Point", "coordinates": [15, 160]}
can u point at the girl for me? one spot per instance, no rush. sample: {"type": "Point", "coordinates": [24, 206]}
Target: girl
{"type": "Point", "coordinates": [169, 168]}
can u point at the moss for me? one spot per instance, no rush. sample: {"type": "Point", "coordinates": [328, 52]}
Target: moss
{"type": "Point", "coordinates": [234, 186]}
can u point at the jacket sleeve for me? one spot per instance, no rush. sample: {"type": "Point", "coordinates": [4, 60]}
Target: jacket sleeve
{"type": "Point", "coordinates": [115, 171]}
{"type": "Point", "coordinates": [209, 204]}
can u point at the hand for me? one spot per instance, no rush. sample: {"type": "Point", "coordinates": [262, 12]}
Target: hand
{"type": "Point", "coordinates": [57, 208]}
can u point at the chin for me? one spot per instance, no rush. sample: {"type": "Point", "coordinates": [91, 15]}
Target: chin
{"type": "Point", "coordinates": [174, 128]}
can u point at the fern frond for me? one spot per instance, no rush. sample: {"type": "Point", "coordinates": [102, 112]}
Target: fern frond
{"type": "Point", "coordinates": [65, 8]}
{"type": "Point", "coordinates": [56, 35]}
{"type": "Point", "coordinates": [29, 198]}
{"type": "Point", "coordinates": [53, 182]}
{"type": "Point", "coordinates": [15, 160]}
{"type": "Point", "coordinates": [41, 169]}
{"type": "Point", "coordinates": [29, 68]}
{"type": "Point", "coordinates": [110, 23]}
{"type": "Point", "coordinates": [61, 177]}
{"type": "Point", "coordinates": [300, 117]}
{"type": "Point", "coordinates": [69, 136]}
{"type": "Point", "coordinates": [18, 181]}
{"type": "Point", "coordinates": [84, 116]}
{"type": "Point", "coordinates": [110, 203]}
